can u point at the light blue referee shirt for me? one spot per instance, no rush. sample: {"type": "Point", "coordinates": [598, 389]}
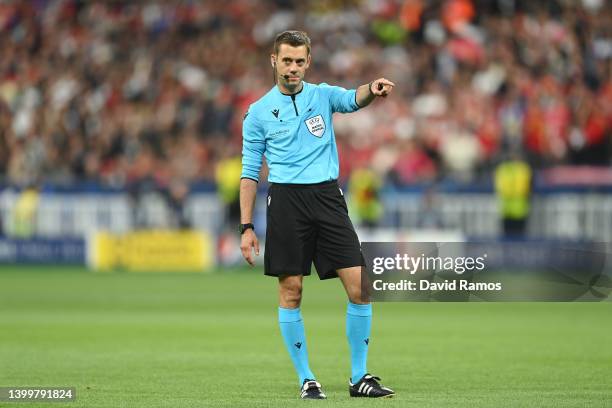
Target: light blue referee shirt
{"type": "Point", "coordinates": [295, 133]}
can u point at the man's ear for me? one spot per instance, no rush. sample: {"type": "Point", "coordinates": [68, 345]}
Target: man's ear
{"type": "Point", "coordinates": [273, 60]}
{"type": "Point", "coordinates": [308, 59]}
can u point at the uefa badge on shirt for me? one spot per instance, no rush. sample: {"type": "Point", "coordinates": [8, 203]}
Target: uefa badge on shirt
{"type": "Point", "coordinates": [316, 125]}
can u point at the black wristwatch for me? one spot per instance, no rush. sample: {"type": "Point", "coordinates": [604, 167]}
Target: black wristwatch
{"type": "Point", "coordinates": [244, 227]}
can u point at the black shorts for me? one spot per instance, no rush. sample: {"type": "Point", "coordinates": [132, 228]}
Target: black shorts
{"type": "Point", "coordinates": [309, 223]}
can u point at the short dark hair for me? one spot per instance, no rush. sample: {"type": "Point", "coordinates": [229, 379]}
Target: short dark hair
{"type": "Point", "coordinates": [292, 38]}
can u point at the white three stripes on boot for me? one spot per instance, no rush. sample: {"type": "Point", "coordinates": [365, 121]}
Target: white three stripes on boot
{"type": "Point", "coordinates": [365, 389]}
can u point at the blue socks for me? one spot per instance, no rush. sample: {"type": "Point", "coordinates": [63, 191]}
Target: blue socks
{"type": "Point", "coordinates": [292, 329]}
{"type": "Point", "coordinates": [358, 323]}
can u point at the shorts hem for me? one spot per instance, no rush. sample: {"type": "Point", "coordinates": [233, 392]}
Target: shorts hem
{"type": "Point", "coordinates": [332, 273]}
{"type": "Point", "coordinates": [348, 266]}
{"type": "Point", "coordinates": [278, 275]}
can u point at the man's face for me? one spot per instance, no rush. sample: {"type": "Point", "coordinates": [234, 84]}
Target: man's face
{"type": "Point", "coordinates": [291, 65]}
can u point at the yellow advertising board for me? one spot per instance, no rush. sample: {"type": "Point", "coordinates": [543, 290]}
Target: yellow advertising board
{"type": "Point", "coordinates": [151, 250]}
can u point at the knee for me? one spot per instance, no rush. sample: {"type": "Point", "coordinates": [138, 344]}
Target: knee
{"type": "Point", "coordinates": [291, 295]}
{"type": "Point", "coordinates": [356, 295]}
{"type": "Point", "coordinates": [355, 291]}
{"type": "Point", "coordinates": [356, 298]}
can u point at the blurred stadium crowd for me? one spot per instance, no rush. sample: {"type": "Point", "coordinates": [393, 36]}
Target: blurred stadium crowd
{"type": "Point", "coordinates": [155, 92]}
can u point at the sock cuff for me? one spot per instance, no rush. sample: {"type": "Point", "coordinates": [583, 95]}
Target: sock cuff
{"type": "Point", "coordinates": [289, 315]}
{"type": "Point", "coordinates": [359, 310]}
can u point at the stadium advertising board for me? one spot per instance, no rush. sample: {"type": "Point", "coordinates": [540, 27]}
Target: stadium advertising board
{"type": "Point", "coordinates": [42, 251]}
{"type": "Point", "coordinates": [154, 250]}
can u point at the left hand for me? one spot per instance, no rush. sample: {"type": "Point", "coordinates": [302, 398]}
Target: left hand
{"type": "Point", "coordinates": [382, 87]}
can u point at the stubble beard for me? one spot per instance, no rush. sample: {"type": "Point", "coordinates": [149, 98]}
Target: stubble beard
{"type": "Point", "coordinates": [290, 86]}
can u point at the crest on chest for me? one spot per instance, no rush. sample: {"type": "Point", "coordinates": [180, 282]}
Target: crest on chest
{"type": "Point", "coordinates": [316, 125]}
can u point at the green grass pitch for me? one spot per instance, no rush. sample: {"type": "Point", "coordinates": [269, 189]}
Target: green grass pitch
{"type": "Point", "coordinates": [211, 340]}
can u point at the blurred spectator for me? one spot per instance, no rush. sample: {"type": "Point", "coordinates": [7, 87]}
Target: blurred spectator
{"type": "Point", "coordinates": [22, 217]}
{"type": "Point", "coordinates": [138, 94]}
{"type": "Point", "coordinates": [364, 186]}
{"type": "Point", "coordinates": [177, 195]}
{"type": "Point", "coordinates": [513, 190]}
{"type": "Point", "coordinates": [227, 176]}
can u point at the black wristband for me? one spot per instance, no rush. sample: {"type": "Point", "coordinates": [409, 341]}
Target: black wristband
{"type": "Point", "coordinates": [244, 227]}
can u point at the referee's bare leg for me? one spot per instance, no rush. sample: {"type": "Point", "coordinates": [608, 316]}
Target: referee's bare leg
{"type": "Point", "coordinates": [290, 291]}
{"type": "Point", "coordinates": [351, 279]}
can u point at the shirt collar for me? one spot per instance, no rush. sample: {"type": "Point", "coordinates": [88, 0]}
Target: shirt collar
{"type": "Point", "coordinates": [297, 93]}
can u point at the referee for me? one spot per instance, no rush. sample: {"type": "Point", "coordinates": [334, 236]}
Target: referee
{"type": "Point", "coordinates": [307, 218]}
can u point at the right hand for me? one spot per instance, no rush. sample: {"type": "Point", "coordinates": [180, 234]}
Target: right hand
{"type": "Point", "coordinates": [249, 242]}
{"type": "Point", "coordinates": [382, 87]}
